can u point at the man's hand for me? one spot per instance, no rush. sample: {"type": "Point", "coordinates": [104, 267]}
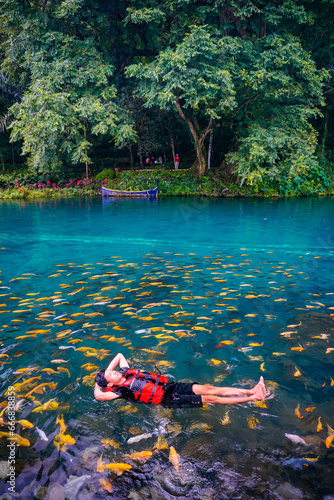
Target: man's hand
{"type": "Point", "coordinates": [103, 396]}
{"type": "Point", "coordinates": [118, 360]}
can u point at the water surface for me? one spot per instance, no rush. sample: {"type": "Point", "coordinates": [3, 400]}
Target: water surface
{"type": "Point", "coordinates": [219, 292]}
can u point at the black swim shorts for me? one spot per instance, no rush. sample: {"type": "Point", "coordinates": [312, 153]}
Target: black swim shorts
{"type": "Point", "coordinates": [178, 395]}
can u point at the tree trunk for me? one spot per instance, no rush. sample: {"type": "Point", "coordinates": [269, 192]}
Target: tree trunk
{"type": "Point", "coordinates": [210, 149]}
{"type": "Point", "coordinates": [173, 149]}
{"type": "Point", "coordinates": [198, 137]}
{"type": "Point", "coordinates": [131, 156]}
{"type": "Point", "coordinates": [201, 159]}
{"type": "Point", "coordinates": [87, 174]}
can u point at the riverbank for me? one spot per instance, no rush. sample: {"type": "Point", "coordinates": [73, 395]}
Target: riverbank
{"type": "Point", "coordinates": [171, 183]}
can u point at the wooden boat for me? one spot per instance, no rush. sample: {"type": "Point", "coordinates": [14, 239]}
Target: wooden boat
{"type": "Point", "coordinates": [150, 193]}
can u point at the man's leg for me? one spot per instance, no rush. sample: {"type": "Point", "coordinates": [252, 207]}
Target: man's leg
{"type": "Point", "coordinates": [208, 390]}
{"type": "Point", "coordinates": [259, 395]}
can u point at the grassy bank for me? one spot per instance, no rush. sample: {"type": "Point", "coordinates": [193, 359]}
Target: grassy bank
{"type": "Point", "coordinates": [171, 183]}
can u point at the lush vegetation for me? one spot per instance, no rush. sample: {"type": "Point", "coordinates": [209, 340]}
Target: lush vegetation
{"type": "Point", "coordinates": [244, 87]}
{"type": "Point", "coordinates": [171, 183]}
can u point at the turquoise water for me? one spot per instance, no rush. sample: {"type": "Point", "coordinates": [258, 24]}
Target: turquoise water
{"type": "Point", "coordinates": [218, 291]}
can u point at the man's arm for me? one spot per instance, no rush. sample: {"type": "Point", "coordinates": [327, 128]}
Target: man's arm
{"type": "Point", "coordinates": [118, 360]}
{"type": "Point", "coordinates": [103, 396]}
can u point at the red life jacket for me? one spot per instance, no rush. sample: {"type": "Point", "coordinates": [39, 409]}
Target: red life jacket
{"type": "Point", "coordinates": [151, 392]}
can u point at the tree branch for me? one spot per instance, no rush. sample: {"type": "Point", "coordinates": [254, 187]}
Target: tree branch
{"type": "Point", "coordinates": [190, 123]}
{"type": "Point", "coordinates": [246, 103]}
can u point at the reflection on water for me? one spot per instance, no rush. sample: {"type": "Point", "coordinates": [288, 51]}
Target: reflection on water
{"type": "Point", "coordinates": [212, 315]}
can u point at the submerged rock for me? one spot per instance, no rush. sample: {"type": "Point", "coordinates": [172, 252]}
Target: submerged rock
{"type": "Point", "coordinates": [56, 492]}
{"type": "Point", "coordinates": [73, 485]}
{"type": "Point", "coordinates": [4, 469]}
{"type": "Point", "coordinates": [289, 492]}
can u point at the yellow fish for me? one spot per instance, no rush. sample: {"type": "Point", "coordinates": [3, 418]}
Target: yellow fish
{"type": "Point", "coordinates": [62, 441]}
{"type": "Point", "coordinates": [319, 426]}
{"type": "Point", "coordinates": [20, 441]}
{"type": "Point", "coordinates": [49, 371]}
{"type": "Point", "coordinates": [65, 370]}
{"type": "Point", "coordinates": [183, 334]}
{"type": "Point", "coordinates": [89, 367]}
{"type": "Point", "coordinates": [89, 379]}
{"type": "Point", "coordinates": [216, 361]}
{"type": "Point", "coordinates": [299, 349]}
{"type": "Point", "coordinates": [22, 386]}
{"type": "Point", "coordinates": [174, 457]}
{"type": "Point", "coordinates": [24, 370]}
{"type": "Point", "coordinates": [49, 405]}
{"type": "Point", "coordinates": [41, 387]}
{"type": "Point", "coordinates": [161, 444]}
{"type": "Point", "coordinates": [109, 442]}
{"type": "Point", "coordinates": [60, 421]}
{"type": "Point", "coordinates": [25, 424]}
{"type": "Point", "coordinates": [297, 373]}
{"type": "Point", "coordinates": [226, 420]}
{"type": "Point", "coordinates": [330, 437]}
{"type": "Point", "coordinates": [128, 409]}
{"type": "Point", "coordinates": [153, 352]}
{"type": "Point", "coordinates": [141, 456]}
{"type": "Point", "coordinates": [253, 422]}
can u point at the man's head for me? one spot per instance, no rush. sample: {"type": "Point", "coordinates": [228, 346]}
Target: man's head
{"type": "Point", "coordinates": [106, 378]}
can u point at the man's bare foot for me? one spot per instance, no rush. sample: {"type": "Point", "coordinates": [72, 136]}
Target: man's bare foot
{"type": "Point", "coordinates": [257, 386]}
{"type": "Point", "coordinates": [260, 392]}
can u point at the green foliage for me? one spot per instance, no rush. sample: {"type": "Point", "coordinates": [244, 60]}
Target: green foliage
{"type": "Point", "coordinates": [254, 72]}
{"type": "Point", "coordinates": [107, 173]}
{"type": "Point", "coordinates": [282, 145]}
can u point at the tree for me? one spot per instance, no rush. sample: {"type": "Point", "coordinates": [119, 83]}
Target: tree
{"type": "Point", "coordinates": [68, 99]}
{"type": "Point", "coordinates": [68, 96]}
{"type": "Point", "coordinates": [196, 79]}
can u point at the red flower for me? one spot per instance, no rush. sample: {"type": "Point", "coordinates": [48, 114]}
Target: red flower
{"type": "Point", "coordinates": [71, 181]}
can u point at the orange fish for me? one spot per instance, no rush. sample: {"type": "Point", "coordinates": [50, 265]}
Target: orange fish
{"type": "Point", "coordinates": [116, 468]}
{"type": "Point", "coordinates": [174, 457]}
{"type": "Point", "coordinates": [330, 437]}
{"type": "Point", "coordinates": [106, 486]}
{"type": "Point", "coordinates": [297, 412]}
{"type": "Point", "coordinates": [141, 456]}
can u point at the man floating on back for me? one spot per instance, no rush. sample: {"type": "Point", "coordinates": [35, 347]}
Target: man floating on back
{"type": "Point", "coordinates": [147, 387]}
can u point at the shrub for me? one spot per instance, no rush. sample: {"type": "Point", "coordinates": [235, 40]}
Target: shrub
{"type": "Point", "coordinates": [107, 173]}
{"type": "Point", "coordinates": [23, 191]}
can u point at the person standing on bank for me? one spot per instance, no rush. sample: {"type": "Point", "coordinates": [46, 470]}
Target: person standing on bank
{"type": "Point", "coordinates": [177, 161]}
{"type": "Point", "coordinates": [146, 387]}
